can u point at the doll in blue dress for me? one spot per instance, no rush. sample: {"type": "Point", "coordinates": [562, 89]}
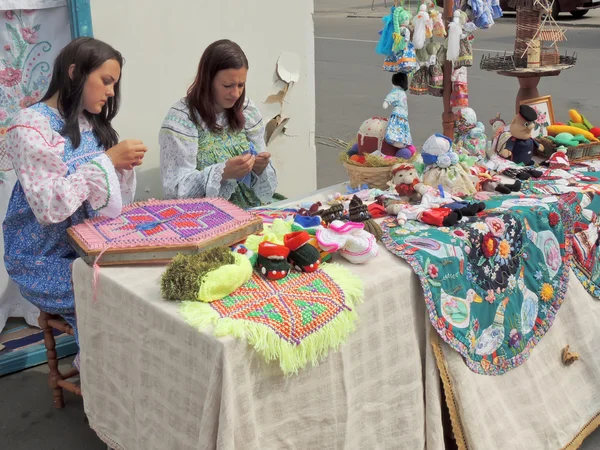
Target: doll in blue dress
{"type": "Point", "coordinates": [398, 129]}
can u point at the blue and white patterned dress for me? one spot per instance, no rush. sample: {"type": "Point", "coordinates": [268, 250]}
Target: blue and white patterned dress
{"type": "Point", "coordinates": [398, 130]}
{"type": "Point", "coordinates": [58, 186]}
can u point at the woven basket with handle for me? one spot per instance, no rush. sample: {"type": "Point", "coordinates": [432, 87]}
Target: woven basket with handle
{"type": "Point", "coordinates": [374, 177]}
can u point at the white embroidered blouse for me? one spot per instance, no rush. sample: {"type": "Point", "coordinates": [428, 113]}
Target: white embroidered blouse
{"type": "Point", "coordinates": [190, 170]}
{"type": "Point", "coordinates": [58, 179]}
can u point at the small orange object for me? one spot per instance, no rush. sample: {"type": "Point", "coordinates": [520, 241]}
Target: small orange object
{"type": "Point", "coordinates": [358, 159]}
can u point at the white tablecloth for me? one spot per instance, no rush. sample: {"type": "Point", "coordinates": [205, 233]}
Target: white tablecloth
{"type": "Point", "coordinates": [150, 381]}
{"type": "Point", "coordinates": [12, 304]}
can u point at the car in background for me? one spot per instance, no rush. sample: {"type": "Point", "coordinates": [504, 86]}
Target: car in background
{"type": "Point", "coordinates": [577, 8]}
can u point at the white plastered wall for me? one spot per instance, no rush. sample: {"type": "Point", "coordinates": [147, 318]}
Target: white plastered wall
{"type": "Point", "coordinates": [162, 42]}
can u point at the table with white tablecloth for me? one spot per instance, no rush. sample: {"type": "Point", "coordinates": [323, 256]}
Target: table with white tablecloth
{"type": "Point", "coordinates": [151, 381]}
{"type": "Point", "coordinates": [12, 303]}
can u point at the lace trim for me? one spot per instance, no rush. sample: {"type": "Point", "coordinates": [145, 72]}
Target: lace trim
{"type": "Point", "coordinates": [215, 185]}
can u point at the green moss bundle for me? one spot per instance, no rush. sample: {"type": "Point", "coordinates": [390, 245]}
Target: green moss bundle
{"type": "Point", "coordinates": [183, 277]}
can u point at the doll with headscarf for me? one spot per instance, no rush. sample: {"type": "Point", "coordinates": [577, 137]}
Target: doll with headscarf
{"type": "Point", "coordinates": [469, 134]}
{"type": "Point", "coordinates": [423, 27]}
{"type": "Point", "coordinates": [443, 167]}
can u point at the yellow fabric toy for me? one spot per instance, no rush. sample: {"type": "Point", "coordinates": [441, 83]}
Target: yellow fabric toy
{"type": "Point", "coordinates": [222, 281]}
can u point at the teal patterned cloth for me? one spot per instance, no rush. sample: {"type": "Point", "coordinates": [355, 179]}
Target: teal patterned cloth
{"type": "Point", "coordinates": [493, 284]}
{"type": "Point", "coordinates": [581, 209]}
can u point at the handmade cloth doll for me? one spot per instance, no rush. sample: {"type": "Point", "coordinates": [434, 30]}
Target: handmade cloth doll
{"type": "Point", "coordinates": [407, 183]}
{"type": "Point", "coordinates": [559, 159]}
{"type": "Point", "coordinates": [431, 210]}
{"type": "Point", "coordinates": [398, 129]}
{"type": "Point", "coordinates": [439, 30]}
{"type": "Point", "coordinates": [454, 35]}
{"type": "Point", "coordinates": [443, 168]}
{"type": "Point", "coordinates": [359, 212]}
{"type": "Point", "coordinates": [517, 144]}
{"type": "Point", "coordinates": [482, 13]}
{"type": "Point", "coordinates": [419, 84]}
{"type": "Point", "coordinates": [402, 58]}
{"type": "Point", "coordinates": [436, 73]}
{"type": "Point", "coordinates": [350, 240]}
{"type": "Point", "coordinates": [496, 9]}
{"type": "Point", "coordinates": [497, 125]}
{"type": "Point", "coordinates": [465, 53]}
{"type": "Point", "coordinates": [493, 183]}
{"type": "Point", "coordinates": [469, 134]}
{"type": "Point", "coordinates": [459, 97]}
{"type": "Point", "coordinates": [422, 27]}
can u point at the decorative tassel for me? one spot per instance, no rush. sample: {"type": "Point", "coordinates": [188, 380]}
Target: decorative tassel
{"type": "Point", "coordinates": [420, 24]}
{"type": "Point", "coordinates": [454, 35]}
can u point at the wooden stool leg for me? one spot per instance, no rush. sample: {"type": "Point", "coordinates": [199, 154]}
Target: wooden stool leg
{"type": "Point", "coordinates": [54, 376]}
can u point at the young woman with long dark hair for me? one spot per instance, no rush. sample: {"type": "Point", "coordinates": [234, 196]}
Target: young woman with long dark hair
{"type": "Point", "coordinates": [212, 141]}
{"type": "Point", "coordinates": [70, 167]}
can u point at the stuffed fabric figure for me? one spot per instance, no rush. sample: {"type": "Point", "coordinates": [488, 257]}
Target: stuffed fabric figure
{"type": "Point", "coordinates": [402, 58]}
{"type": "Point", "coordinates": [443, 168]}
{"type": "Point", "coordinates": [420, 23]}
{"type": "Point", "coordinates": [469, 134]}
{"type": "Point", "coordinates": [407, 183]}
{"type": "Point", "coordinates": [398, 129]}
{"type": "Point", "coordinates": [454, 36]}
{"type": "Point", "coordinates": [439, 30]}
{"type": "Point", "coordinates": [516, 144]}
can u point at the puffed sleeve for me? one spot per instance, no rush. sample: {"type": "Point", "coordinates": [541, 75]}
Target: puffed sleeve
{"type": "Point", "coordinates": [265, 184]}
{"type": "Point", "coordinates": [54, 194]}
{"type": "Point", "coordinates": [178, 139]}
{"type": "Point", "coordinates": [128, 182]}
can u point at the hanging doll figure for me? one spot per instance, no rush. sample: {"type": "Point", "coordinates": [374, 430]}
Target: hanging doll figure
{"type": "Point", "coordinates": [439, 30]}
{"type": "Point", "coordinates": [454, 35]}
{"type": "Point", "coordinates": [436, 73]}
{"type": "Point", "coordinates": [422, 27]}
{"type": "Point", "coordinates": [459, 97]}
{"type": "Point", "coordinates": [420, 80]}
{"type": "Point", "coordinates": [465, 53]}
{"type": "Point", "coordinates": [398, 129]}
{"type": "Point", "coordinates": [402, 57]}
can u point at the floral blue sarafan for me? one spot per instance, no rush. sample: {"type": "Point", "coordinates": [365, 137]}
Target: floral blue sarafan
{"type": "Point", "coordinates": [494, 283]}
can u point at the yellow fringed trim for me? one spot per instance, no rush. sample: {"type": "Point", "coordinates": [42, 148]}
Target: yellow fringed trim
{"type": "Point", "coordinates": [312, 349]}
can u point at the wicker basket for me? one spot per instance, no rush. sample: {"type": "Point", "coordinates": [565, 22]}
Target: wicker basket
{"type": "Point", "coordinates": [374, 177]}
{"type": "Point", "coordinates": [582, 152]}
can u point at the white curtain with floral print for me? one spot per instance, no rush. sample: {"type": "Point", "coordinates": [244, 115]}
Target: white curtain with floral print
{"type": "Point", "coordinates": [31, 35]}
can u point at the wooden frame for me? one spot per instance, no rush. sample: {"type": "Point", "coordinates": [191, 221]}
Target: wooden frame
{"type": "Point", "coordinates": [545, 110]}
{"type": "Point", "coordinates": [80, 18]}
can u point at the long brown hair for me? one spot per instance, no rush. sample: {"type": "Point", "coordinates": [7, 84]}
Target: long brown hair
{"type": "Point", "coordinates": [220, 55]}
{"type": "Point", "coordinates": [88, 54]}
